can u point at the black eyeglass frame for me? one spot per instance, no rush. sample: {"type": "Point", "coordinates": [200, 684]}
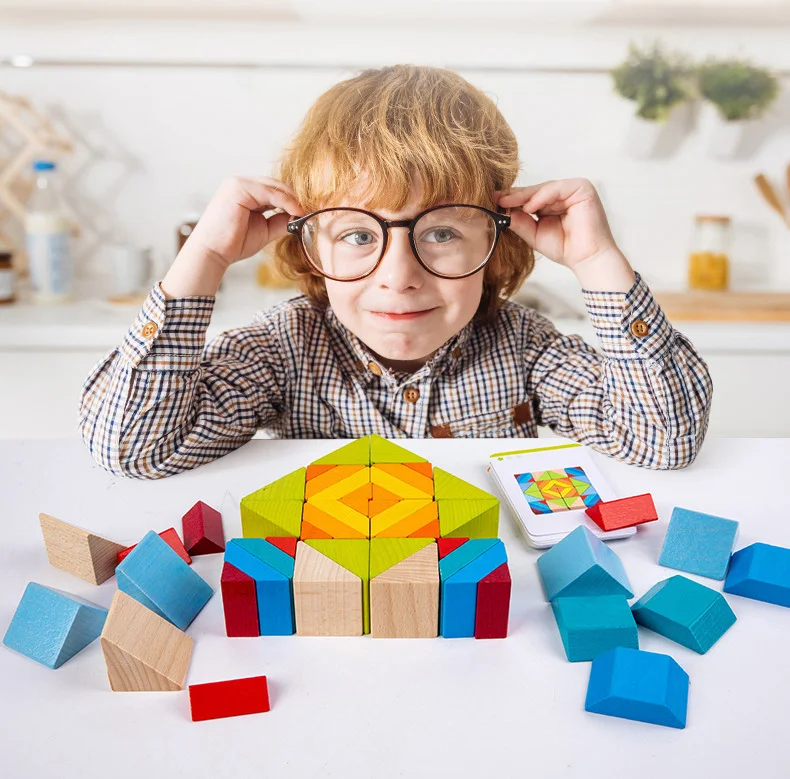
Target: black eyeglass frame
{"type": "Point", "coordinates": [501, 222]}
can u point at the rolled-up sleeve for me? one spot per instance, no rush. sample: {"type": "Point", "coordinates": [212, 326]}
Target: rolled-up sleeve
{"type": "Point", "coordinates": [643, 397]}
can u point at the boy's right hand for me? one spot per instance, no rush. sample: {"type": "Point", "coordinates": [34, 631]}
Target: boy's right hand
{"type": "Point", "coordinates": [233, 226]}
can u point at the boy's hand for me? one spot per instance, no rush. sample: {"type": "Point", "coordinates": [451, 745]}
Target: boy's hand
{"type": "Point", "coordinates": [571, 229]}
{"type": "Point", "coordinates": [233, 226]}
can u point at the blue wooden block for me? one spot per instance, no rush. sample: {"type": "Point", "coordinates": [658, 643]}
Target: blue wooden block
{"type": "Point", "coordinates": [580, 565]}
{"type": "Point", "coordinates": [450, 564]}
{"type": "Point", "coordinates": [762, 572]}
{"type": "Point", "coordinates": [273, 587]}
{"type": "Point", "coordinates": [638, 685]}
{"type": "Point", "coordinates": [593, 625]}
{"type": "Point", "coordinates": [458, 596]}
{"type": "Point", "coordinates": [51, 626]}
{"type": "Point", "coordinates": [685, 611]}
{"type": "Point", "coordinates": [698, 543]}
{"type": "Point", "coordinates": [153, 574]}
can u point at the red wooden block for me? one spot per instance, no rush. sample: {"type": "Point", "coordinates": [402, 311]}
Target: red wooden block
{"type": "Point", "coordinates": [240, 602]}
{"type": "Point", "coordinates": [229, 698]}
{"type": "Point", "coordinates": [493, 604]}
{"type": "Point", "coordinates": [203, 532]}
{"type": "Point", "coordinates": [447, 545]}
{"type": "Point", "coordinates": [171, 537]}
{"type": "Point", "coordinates": [624, 512]}
{"type": "Point", "coordinates": [286, 543]}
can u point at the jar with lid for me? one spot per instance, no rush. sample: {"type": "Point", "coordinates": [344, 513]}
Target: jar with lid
{"type": "Point", "coordinates": [7, 277]}
{"type": "Point", "coordinates": [709, 261]}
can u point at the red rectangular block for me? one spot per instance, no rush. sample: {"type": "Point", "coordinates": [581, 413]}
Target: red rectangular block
{"type": "Point", "coordinates": [623, 512]}
{"type": "Point", "coordinates": [239, 602]}
{"type": "Point", "coordinates": [493, 604]}
{"type": "Point", "coordinates": [230, 698]}
{"type": "Point", "coordinates": [171, 537]}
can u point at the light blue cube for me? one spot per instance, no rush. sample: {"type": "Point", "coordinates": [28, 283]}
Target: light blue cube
{"type": "Point", "coordinates": [698, 543]}
{"type": "Point", "coordinates": [761, 572]}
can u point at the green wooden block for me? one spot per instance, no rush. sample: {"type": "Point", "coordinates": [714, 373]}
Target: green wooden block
{"type": "Point", "coordinates": [261, 517]}
{"type": "Point", "coordinates": [354, 555]}
{"type": "Point", "coordinates": [289, 487]}
{"type": "Point", "coordinates": [445, 485]}
{"type": "Point", "coordinates": [386, 552]}
{"type": "Point", "coordinates": [469, 518]}
{"type": "Point", "coordinates": [355, 453]}
{"type": "Point", "coordinates": [384, 451]}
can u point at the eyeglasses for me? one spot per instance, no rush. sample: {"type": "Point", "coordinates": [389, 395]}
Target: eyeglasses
{"type": "Point", "coordinates": [450, 241]}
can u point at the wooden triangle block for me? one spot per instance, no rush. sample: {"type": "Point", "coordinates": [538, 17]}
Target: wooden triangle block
{"type": "Point", "coordinates": [493, 604]}
{"type": "Point", "coordinates": [203, 533]}
{"type": "Point", "coordinates": [447, 545]}
{"type": "Point", "coordinates": [355, 453]}
{"type": "Point", "coordinates": [170, 537]}
{"type": "Point", "coordinates": [261, 517]}
{"type": "Point", "coordinates": [79, 552]}
{"type": "Point", "coordinates": [624, 512]}
{"type": "Point", "coordinates": [289, 487]}
{"type": "Point", "coordinates": [239, 602]}
{"type": "Point", "coordinates": [142, 651]}
{"type": "Point", "coordinates": [287, 544]}
{"type": "Point", "coordinates": [469, 518]}
{"type": "Point", "coordinates": [384, 451]}
{"type": "Point", "coordinates": [445, 485]}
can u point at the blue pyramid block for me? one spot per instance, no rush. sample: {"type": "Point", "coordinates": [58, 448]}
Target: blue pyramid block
{"type": "Point", "coordinates": [761, 572]}
{"type": "Point", "coordinates": [685, 611]}
{"type": "Point", "coordinates": [153, 574]}
{"type": "Point", "coordinates": [698, 543]}
{"type": "Point", "coordinates": [580, 565]}
{"type": "Point", "coordinates": [638, 685]}
{"type": "Point", "coordinates": [591, 626]}
{"type": "Point", "coordinates": [50, 626]}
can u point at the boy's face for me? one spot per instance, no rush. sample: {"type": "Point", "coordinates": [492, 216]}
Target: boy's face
{"type": "Point", "coordinates": [402, 313]}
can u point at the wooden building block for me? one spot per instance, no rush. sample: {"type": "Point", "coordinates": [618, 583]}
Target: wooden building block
{"type": "Point", "coordinates": [624, 512]}
{"type": "Point", "coordinates": [50, 626]}
{"type": "Point", "coordinates": [355, 453]}
{"type": "Point", "coordinates": [449, 487]}
{"type": "Point", "coordinates": [685, 611]}
{"type": "Point", "coordinates": [402, 481]}
{"type": "Point", "coordinates": [470, 518]}
{"type": "Point", "coordinates": [332, 518]}
{"type": "Point", "coordinates": [338, 481]}
{"type": "Point", "coordinates": [404, 588]}
{"type": "Point", "coordinates": [590, 626]}
{"type": "Point", "coordinates": [447, 545]}
{"type": "Point", "coordinates": [239, 602]}
{"type": "Point", "coordinates": [451, 563]}
{"type": "Point", "coordinates": [142, 651]}
{"type": "Point", "coordinates": [580, 565]}
{"type": "Point", "coordinates": [230, 698]}
{"type": "Point", "coordinates": [288, 487]}
{"type": "Point", "coordinates": [762, 572]}
{"type": "Point", "coordinates": [170, 537]}
{"type": "Point", "coordinates": [331, 587]}
{"type": "Point", "coordinates": [272, 570]}
{"type": "Point", "coordinates": [638, 685]}
{"type": "Point", "coordinates": [384, 451]}
{"type": "Point", "coordinates": [416, 518]}
{"type": "Point", "coordinates": [202, 530]}
{"type": "Point", "coordinates": [458, 609]}
{"type": "Point", "coordinates": [155, 575]}
{"type": "Point", "coordinates": [698, 543]}
{"type": "Point", "coordinates": [77, 551]}
{"type": "Point", "coordinates": [262, 517]}
{"type": "Point", "coordinates": [286, 543]}
{"type": "Point", "coordinates": [493, 604]}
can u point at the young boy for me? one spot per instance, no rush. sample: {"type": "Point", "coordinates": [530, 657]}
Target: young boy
{"type": "Point", "coordinates": [404, 329]}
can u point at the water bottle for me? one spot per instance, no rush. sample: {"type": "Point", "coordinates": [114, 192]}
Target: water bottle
{"type": "Point", "coordinates": [48, 238]}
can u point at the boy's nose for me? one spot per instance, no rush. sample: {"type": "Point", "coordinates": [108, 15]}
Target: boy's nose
{"type": "Point", "coordinates": [399, 268]}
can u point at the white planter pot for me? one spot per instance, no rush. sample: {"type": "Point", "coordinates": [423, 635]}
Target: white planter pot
{"type": "Point", "coordinates": [726, 138]}
{"type": "Point", "coordinates": [643, 136]}
{"type": "Point", "coordinates": [646, 138]}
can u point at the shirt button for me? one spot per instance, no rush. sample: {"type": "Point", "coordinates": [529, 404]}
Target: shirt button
{"type": "Point", "coordinates": [359, 366]}
{"type": "Point", "coordinates": [457, 352]}
{"type": "Point", "coordinates": [639, 328]}
{"type": "Point", "coordinates": [374, 368]}
{"type": "Point", "coordinates": [411, 394]}
{"type": "Point", "coordinates": [149, 329]}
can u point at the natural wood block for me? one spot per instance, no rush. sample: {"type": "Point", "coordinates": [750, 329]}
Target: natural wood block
{"type": "Point", "coordinates": [142, 651]}
{"type": "Point", "coordinates": [229, 698]}
{"type": "Point", "coordinates": [202, 530]}
{"type": "Point", "coordinates": [77, 551]}
{"type": "Point", "coordinates": [404, 599]}
{"type": "Point", "coordinates": [170, 537]}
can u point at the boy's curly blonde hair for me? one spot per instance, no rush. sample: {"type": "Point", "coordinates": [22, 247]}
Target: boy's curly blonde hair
{"type": "Point", "coordinates": [392, 125]}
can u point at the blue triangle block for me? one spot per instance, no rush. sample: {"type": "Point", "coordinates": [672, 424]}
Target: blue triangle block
{"type": "Point", "coordinates": [762, 572]}
{"type": "Point", "coordinates": [269, 554]}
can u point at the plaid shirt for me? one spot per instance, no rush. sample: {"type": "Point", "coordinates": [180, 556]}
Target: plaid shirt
{"type": "Point", "coordinates": [164, 402]}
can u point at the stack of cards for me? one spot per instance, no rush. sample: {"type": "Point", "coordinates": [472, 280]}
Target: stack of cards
{"type": "Point", "coordinates": [549, 489]}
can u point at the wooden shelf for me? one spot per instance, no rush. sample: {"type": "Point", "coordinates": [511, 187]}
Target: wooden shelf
{"type": "Point", "coordinates": [726, 306]}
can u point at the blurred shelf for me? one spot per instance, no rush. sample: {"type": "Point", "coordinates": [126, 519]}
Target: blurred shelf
{"type": "Point", "coordinates": [733, 306]}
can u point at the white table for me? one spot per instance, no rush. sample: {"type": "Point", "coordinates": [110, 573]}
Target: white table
{"type": "Point", "coordinates": [364, 707]}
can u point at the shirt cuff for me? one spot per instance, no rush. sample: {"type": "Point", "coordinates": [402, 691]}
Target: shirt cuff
{"type": "Point", "coordinates": [629, 324]}
{"type": "Point", "coordinates": [168, 334]}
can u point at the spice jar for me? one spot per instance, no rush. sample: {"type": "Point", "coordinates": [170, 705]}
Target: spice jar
{"type": "Point", "coordinates": [709, 262]}
{"type": "Point", "coordinates": [7, 277]}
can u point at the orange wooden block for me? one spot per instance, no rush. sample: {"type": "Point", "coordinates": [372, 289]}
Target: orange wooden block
{"type": "Point", "coordinates": [358, 499]}
{"type": "Point", "coordinates": [337, 473]}
{"type": "Point", "coordinates": [408, 475]}
{"type": "Point", "coordinates": [310, 531]}
{"type": "Point", "coordinates": [413, 524]}
{"type": "Point", "coordinates": [316, 470]}
{"type": "Point", "coordinates": [380, 493]}
{"type": "Point", "coordinates": [377, 505]}
{"type": "Point", "coordinates": [426, 469]}
{"type": "Point", "coordinates": [431, 530]}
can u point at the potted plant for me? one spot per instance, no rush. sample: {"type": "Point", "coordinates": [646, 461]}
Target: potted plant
{"type": "Point", "coordinates": [741, 94]}
{"type": "Point", "coordinates": [658, 82]}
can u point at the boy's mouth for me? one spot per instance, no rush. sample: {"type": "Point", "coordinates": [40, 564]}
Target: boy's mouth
{"type": "Point", "coordinates": [398, 316]}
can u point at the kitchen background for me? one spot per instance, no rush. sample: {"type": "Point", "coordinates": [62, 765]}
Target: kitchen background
{"type": "Point", "coordinates": [150, 104]}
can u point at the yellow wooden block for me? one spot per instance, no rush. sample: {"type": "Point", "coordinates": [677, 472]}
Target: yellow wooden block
{"type": "Point", "coordinates": [395, 514]}
{"type": "Point", "coordinates": [323, 486]}
{"type": "Point", "coordinates": [377, 492]}
{"type": "Point", "coordinates": [344, 521]}
{"type": "Point", "coordinates": [420, 517]}
{"type": "Point", "coordinates": [403, 489]}
{"type": "Point", "coordinates": [408, 475]}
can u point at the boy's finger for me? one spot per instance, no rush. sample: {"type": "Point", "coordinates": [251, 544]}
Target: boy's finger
{"type": "Point", "coordinates": [519, 195]}
{"type": "Point", "coordinates": [524, 226]}
{"type": "Point", "coordinates": [264, 197]}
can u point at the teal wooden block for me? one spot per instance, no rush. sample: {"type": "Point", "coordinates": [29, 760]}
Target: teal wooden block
{"type": "Point", "coordinates": [590, 626]}
{"type": "Point", "coordinates": [581, 565]}
{"type": "Point", "coordinates": [685, 611]}
{"type": "Point", "coordinates": [450, 564]}
{"type": "Point", "coordinates": [761, 572]}
{"type": "Point", "coordinates": [698, 543]}
{"type": "Point", "coordinates": [638, 685]}
{"type": "Point", "coordinates": [50, 626]}
{"type": "Point", "coordinates": [153, 574]}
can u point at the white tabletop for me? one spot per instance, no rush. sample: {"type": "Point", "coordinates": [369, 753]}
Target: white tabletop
{"type": "Point", "coordinates": [364, 707]}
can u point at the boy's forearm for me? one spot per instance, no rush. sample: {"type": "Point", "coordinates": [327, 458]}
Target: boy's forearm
{"type": "Point", "coordinates": [193, 272]}
{"type": "Point", "coordinates": [609, 271]}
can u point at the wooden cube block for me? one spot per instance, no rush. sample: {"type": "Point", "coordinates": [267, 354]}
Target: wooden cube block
{"type": "Point", "coordinates": [762, 572]}
{"type": "Point", "coordinates": [230, 698]}
{"type": "Point", "coordinates": [77, 551]}
{"type": "Point", "coordinates": [202, 530]}
{"type": "Point", "coordinates": [50, 626]}
{"type": "Point", "coordinates": [685, 611]}
{"type": "Point", "coordinates": [142, 651]}
{"type": "Point", "coordinates": [624, 512]}
{"type": "Point", "coordinates": [698, 543]}
{"type": "Point", "coordinates": [638, 685]}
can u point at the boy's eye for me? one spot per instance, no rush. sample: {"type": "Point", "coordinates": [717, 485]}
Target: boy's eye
{"type": "Point", "coordinates": [443, 234]}
{"type": "Point", "coordinates": [368, 238]}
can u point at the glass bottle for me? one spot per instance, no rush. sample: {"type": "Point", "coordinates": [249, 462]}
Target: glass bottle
{"type": "Point", "coordinates": [709, 261]}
